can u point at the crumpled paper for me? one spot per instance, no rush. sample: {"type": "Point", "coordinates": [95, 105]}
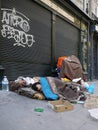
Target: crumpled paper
{"type": "Point", "coordinates": [94, 113]}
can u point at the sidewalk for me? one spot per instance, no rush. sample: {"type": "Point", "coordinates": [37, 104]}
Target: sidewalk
{"type": "Point", "coordinates": [17, 113]}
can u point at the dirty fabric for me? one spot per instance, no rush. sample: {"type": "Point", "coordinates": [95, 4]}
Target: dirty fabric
{"type": "Point", "coordinates": [71, 68]}
{"type": "Point", "coordinates": [69, 91]}
{"type": "Point", "coordinates": [29, 92]}
{"type": "Point", "coordinates": [52, 88]}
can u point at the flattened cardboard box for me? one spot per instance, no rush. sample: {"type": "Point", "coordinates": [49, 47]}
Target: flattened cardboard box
{"type": "Point", "coordinates": [91, 101]}
{"type": "Point", "coordinates": [60, 105]}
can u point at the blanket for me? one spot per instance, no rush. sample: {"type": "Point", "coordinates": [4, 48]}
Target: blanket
{"type": "Point", "coordinates": [25, 90]}
{"type": "Point", "coordinates": [66, 90]}
{"type": "Point", "coordinates": [47, 90]}
{"type": "Point", "coordinates": [71, 68]}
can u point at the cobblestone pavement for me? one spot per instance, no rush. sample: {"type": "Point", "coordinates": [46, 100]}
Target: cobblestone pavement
{"type": "Point", "coordinates": [17, 113]}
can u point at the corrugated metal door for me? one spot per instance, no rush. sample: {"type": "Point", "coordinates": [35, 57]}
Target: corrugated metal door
{"type": "Point", "coordinates": [67, 38]}
{"type": "Point", "coordinates": [25, 38]}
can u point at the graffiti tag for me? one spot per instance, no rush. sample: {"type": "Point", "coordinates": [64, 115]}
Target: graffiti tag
{"type": "Point", "coordinates": [16, 26]}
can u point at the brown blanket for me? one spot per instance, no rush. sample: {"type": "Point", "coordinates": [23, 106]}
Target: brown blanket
{"type": "Point", "coordinates": [67, 90]}
{"type": "Point", "coordinates": [71, 68]}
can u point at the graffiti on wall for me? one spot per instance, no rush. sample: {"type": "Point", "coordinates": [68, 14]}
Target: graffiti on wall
{"type": "Point", "coordinates": [15, 25]}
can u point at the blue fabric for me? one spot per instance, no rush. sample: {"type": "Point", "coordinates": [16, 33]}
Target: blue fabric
{"type": "Point", "coordinates": [47, 90]}
{"type": "Point", "coordinates": [91, 88]}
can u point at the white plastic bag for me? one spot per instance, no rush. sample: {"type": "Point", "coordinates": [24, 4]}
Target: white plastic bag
{"type": "Point", "coordinates": [94, 113]}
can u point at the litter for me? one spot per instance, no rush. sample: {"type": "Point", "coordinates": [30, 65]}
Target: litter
{"type": "Point", "coordinates": [94, 113]}
{"type": "Point", "coordinates": [38, 109]}
{"type": "Point", "coordinates": [60, 105]}
{"type": "Point", "coordinates": [91, 101]}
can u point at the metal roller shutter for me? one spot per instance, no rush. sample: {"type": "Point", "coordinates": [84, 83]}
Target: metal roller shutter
{"type": "Point", "coordinates": [67, 38]}
{"type": "Point", "coordinates": [21, 58]}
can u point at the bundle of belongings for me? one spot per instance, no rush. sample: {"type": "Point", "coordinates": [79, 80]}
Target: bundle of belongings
{"type": "Point", "coordinates": [70, 68]}
{"type": "Point", "coordinates": [51, 88]}
{"type": "Point", "coordinates": [23, 86]}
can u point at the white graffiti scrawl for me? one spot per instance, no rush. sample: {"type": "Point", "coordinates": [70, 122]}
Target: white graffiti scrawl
{"type": "Point", "coordinates": [16, 26]}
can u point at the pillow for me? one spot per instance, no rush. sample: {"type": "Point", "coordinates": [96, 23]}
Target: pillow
{"type": "Point", "coordinates": [39, 96]}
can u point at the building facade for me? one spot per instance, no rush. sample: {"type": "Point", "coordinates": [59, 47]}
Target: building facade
{"type": "Point", "coordinates": [35, 33]}
{"type": "Point", "coordinates": [90, 7]}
